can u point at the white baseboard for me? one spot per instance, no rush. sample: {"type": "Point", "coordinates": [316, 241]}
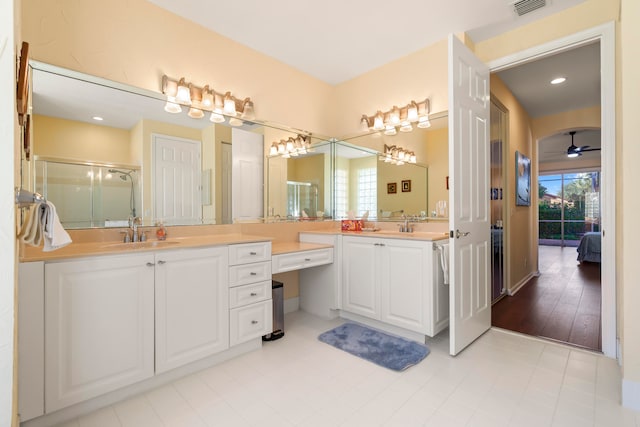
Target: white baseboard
{"type": "Point", "coordinates": [631, 394]}
{"type": "Point", "coordinates": [522, 282]}
{"type": "Point", "coordinates": [291, 305]}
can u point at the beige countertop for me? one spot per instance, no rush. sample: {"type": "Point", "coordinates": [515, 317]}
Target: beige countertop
{"type": "Point", "coordinates": [75, 250]}
{"type": "Point", "coordinates": [416, 235]}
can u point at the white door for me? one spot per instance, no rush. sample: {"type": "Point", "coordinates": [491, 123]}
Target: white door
{"type": "Point", "coordinates": [192, 305]}
{"type": "Point", "coordinates": [469, 218]}
{"type": "Point", "coordinates": [360, 277]}
{"type": "Point", "coordinates": [225, 183]}
{"type": "Point", "coordinates": [247, 176]}
{"type": "Point", "coordinates": [176, 177]}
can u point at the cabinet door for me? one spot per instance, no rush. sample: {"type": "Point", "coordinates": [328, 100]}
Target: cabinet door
{"type": "Point", "coordinates": [403, 266]}
{"type": "Point", "coordinates": [192, 307]}
{"type": "Point", "coordinates": [360, 282]}
{"type": "Point", "coordinates": [99, 327]}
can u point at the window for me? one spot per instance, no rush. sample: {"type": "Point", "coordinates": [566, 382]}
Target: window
{"type": "Point", "coordinates": [367, 191]}
{"type": "Point", "coordinates": [568, 207]}
{"type": "Point", "coordinates": [341, 193]}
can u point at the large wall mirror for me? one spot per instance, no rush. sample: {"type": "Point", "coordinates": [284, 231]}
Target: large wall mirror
{"type": "Point", "coordinates": [103, 152]}
{"type": "Point", "coordinates": [402, 189]}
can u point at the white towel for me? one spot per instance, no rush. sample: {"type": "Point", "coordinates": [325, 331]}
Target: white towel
{"type": "Point", "coordinates": [55, 236]}
{"type": "Point", "coordinates": [444, 262]}
{"type": "Point", "coordinates": [31, 231]}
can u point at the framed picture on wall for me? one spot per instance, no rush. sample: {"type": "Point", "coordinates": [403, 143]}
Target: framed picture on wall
{"type": "Point", "coordinates": [392, 188]}
{"type": "Point", "coordinates": [406, 185]}
{"type": "Point", "coordinates": [523, 180]}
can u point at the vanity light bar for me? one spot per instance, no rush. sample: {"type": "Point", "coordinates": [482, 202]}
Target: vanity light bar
{"type": "Point", "coordinates": [397, 155]}
{"type": "Point", "coordinates": [291, 147]}
{"type": "Point", "coordinates": [199, 100]}
{"type": "Point", "coordinates": [401, 119]}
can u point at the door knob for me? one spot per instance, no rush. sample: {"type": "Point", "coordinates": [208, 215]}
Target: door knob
{"type": "Point", "coordinates": [461, 233]}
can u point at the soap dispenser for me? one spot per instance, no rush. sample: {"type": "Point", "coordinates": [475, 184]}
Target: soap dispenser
{"type": "Point", "coordinates": [161, 232]}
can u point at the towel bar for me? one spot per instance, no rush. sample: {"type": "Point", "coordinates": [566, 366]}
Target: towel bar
{"type": "Point", "coordinates": [25, 198]}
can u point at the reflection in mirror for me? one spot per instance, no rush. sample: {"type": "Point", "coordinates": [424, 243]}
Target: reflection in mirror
{"type": "Point", "coordinates": [89, 195]}
{"type": "Point", "coordinates": [186, 169]}
{"type": "Point", "coordinates": [299, 186]}
{"type": "Point", "coordinates": [415, 190]}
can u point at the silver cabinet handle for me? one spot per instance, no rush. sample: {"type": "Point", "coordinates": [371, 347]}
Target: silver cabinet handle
{"type": "Point", "coordinates": [253, 294]}
{"type": "Point", "coordinates": [253, 253]}
{"type": "Point", "coordinates": [150, 264]}
{"type": "Point", "coordinates": [254, 322]}
{"type": "Point", "coordinates": [253, 273]}
{"type": "Point", "coordinates": [307, 259]}
{"type": "Point", "coordinates": [378, 244]}
{"type": "Point", "coordinates": [162, 262]}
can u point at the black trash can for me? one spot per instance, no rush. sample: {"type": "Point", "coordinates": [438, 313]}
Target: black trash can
{"type": "Point", "coordinates": [277, 295]}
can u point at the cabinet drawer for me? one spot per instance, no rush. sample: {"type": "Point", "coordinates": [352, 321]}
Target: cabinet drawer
{"type": "Point", "coordinates": [249, 273]}
{"type": "Point", "coordinates": [251, 321]}
{"type": "Point", "coordinates": [249, 294]}
{"type": "Point", "coordinates": [249, 252]}
{"type": "Point", "coordinates": [299, 260]}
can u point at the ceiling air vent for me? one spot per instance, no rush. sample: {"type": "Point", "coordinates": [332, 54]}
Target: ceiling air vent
{"type": "Point", "coordinates": [523, 7]}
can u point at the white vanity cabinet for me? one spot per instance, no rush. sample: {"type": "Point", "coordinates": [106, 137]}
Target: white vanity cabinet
{"type": "Point", "coordinates": [391, 281]}
{"type": "Point", "coordinates": [99, 326]}
{"type": "Point", "coordinates": [251, 309]}
{"type": "Point", "coordinates": [191, 305]}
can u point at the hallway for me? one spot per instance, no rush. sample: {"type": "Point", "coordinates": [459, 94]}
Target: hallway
{"type": "Point", "coordinates": [562, 304]}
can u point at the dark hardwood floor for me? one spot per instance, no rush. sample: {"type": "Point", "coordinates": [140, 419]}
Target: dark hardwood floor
{"type": "Point", "coordinates": [562, 304]}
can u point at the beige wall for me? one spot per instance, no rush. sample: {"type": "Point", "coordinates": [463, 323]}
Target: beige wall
{"type": "Point", "coordinates": [105, 39]}
{"type": "Point", "coordinates": [68, 139]}
{"type": "Point", "coordinates": [522, 256]}
{"type": "Point", "coordinates": [414, 77]}
{"type": "Point", "coordinates": [546, 126]}
{"type": "Point", "coordinates": [437, 160]}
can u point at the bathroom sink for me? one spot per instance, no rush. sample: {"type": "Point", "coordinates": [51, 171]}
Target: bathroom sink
{"type": "Point", "coordinates": [149, 244]}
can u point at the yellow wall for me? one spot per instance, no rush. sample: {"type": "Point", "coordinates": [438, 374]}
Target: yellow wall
{"type": "Point", "coordinates": [553, 124]}
{"type": "Point", "coordinates": [522, 241]}
{"type": "Point", "coordinates": [437, 160]}
{"type": "Point", "coordinates": [414, 77]}
{"type": "Point", "coordinates": [104, 38]}
{"type": "Point", "coordinates": [412, 202]}
{"type": "Point", "coordinates": [68, 139]}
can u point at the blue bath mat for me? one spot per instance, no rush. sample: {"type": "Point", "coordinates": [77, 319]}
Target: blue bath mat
{"type": "Point", "coordinates": [375, 346]}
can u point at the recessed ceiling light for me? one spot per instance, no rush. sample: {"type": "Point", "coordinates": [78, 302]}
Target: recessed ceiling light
{"type": "Point", "coordinates": [558, 80]}
{"type": "Point", "coordinates": [97, 118]}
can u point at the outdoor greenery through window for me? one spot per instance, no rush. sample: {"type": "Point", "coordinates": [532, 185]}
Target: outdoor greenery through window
{"type": "Point", "coordinates": [568, 207]}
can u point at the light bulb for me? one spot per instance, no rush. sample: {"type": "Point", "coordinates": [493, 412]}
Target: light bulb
{"type": "Point", "coordinates": [364, 123]}
{"type": "Point", "coordinates": [247, 110]}
{"type": "Point", "coordinates": [412, 112]}
{"type": "Point", "coordinates": [394, 116]}
{"type": "Point", "coordinates": [289, 145]}
{"type": "Point", "coordinates": [390, 130]}
{"type": "Point", "coordinates": [171, 106]}
{"type": "Point", "coordinates": [207, 98]}
{"type": "Point", "coordinates": [273, 151]}
{"type": "Point", "coordinates": [229, 105]}
{"type": "Point", "coordinates": [281, 147]}
{"type": "Point", "coordinates": [216, 118]}
{"type": "Point", "coordinates": [406, 127]}
{"type": "Point", "coordinates": [183, 95]}
{"type": "Point", "coordinates": [235, 122]}
{"type": "Point", "coordinates": [424, 122]}
{"type": "Point", "coordinates": [378, 123]}
{"type": "Point", "coordinates": [195, 113]}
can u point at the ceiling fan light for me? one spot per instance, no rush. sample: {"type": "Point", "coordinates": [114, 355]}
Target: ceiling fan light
{"type": "Point", "coordinates": [573, 154]}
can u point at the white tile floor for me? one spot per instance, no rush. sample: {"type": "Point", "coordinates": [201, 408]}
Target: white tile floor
{"type": "Point", "coordinates": [500, 380]}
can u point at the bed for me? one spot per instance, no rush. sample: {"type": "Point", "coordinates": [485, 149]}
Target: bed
{"type": "Point", "coordinates": [589, 247]}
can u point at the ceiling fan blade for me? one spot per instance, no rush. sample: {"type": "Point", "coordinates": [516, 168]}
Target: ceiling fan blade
{"type": "Point", "coordinates": [590, 149]}
{"type": "Point", "coordinates": [584, 147]}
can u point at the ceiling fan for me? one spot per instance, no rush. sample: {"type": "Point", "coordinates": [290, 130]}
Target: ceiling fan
{"type": "Point", "coordinates": [574, 151]}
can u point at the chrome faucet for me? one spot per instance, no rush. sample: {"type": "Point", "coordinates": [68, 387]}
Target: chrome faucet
{"type": "Point", "coordinates": [406, 227]}
{"type": "Point", "coordinates": [133, 224]}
